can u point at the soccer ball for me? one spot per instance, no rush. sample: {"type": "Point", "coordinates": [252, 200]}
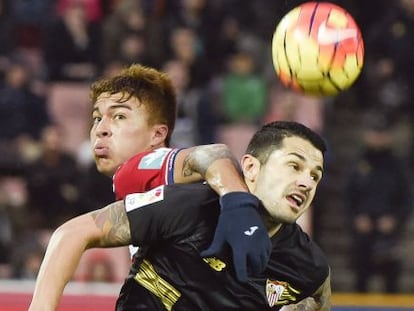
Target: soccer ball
{"type": "Point", "coordinates": [317, 49]}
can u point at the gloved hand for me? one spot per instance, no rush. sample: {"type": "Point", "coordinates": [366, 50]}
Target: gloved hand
{"type": "Point", "coordinates": [241, 226]}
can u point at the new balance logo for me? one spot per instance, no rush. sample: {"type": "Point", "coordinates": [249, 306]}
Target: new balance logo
{"type": "Point", "coordinates": [328, 35]}
{"type": "Point", "coordinates": [251, 231]}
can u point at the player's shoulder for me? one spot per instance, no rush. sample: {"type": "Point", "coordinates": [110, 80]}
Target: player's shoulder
{"type": "Point", "coordinates": [144, 171]}
{"type": "Point", "coordinates": [151, 159]}
{"type": "Point", "coordinates": [303, 245]}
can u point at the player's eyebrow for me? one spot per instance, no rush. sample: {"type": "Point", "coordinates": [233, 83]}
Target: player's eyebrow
{"type": "Point", "coordinates": [301, 157]}
{"type": "Point", "coordinates": [114, 107]}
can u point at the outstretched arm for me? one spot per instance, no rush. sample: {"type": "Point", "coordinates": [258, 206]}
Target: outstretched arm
{"type": "Point", "coordinates": [107, 227]}
{"type": "Point", "coordinates": [213, 163]}
{"type": "Point", "coordinates": [320, 300]}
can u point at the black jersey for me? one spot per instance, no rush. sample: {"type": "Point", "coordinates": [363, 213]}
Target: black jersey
{"type": "Point", "coordinates": [173, 224]}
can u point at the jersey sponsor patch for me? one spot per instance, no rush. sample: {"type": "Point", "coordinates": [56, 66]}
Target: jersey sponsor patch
{"type": "Point", "coordinates": [137, 200]}
{"type": "Point", "coordinates": [154, 160]}
{"type": "Point", "coordinates": [215, 263]}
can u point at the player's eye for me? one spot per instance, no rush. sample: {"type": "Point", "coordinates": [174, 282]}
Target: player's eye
{"type": "Point", "coordinates": [119, 116]}
{"type": "Point", "coordinates": [96, 119]}
{"type": "Point", "coordinates": [293, 166]}
{"type": "Point", "coordinates": [316, 177]}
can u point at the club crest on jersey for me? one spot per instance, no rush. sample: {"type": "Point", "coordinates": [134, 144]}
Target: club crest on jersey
{"type": "Point", "coordinates": [154, 160]}
{"type": "Point", "coordinates": [274, 290]}
{"type": "Point", "coordinates": [137, 200]}
{"type": "Point", "coordinates": [280, 293]}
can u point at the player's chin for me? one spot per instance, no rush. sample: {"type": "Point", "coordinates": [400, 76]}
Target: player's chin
{"type": "Point", "coordinates": [294, 215]}
{"type": "Point", "coordinates": [288, 218]}
{"type": "Point", "coordinates": [105, 166]}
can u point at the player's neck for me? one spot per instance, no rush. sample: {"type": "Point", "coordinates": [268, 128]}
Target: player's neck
{"type": "Point", "coordinates": [273, 229]}
{"type": "Point", "coordinates": [272, 226]}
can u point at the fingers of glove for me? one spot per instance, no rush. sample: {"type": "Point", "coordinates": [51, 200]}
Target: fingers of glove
{"type": "Point", "coordinates": [255, 263]}
{"type": "Point", "coordinates": [258, 254]}
{"type": "Point", "coordinates": [258, 250]}
{"type": "Point", "coordinates": [240, 267]}
{"type": "Point", "coordinates": [216, 246]}
{"type": "Point", "coordinates": [264, 257]}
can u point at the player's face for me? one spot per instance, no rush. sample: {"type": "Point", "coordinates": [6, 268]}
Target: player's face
{"type": "Point", "coordinates": [121, 130]}
{"type": "Point", "coordinates": [287, 182]}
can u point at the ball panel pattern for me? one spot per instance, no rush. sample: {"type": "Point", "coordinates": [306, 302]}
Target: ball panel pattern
{"type": "Point", "coordinates": [317, 49]}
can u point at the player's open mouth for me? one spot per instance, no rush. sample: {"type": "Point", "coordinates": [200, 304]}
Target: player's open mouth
{"type": "Point", "coordinates": [296, 198]}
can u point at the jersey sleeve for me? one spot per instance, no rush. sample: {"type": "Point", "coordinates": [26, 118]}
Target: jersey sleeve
{"type": "Point", "coordinates": [152, 220]}
{"type": "Point", "coordinates": [145, 171]}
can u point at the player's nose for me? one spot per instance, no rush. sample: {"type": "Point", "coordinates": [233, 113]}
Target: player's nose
{"type": "Point", "coordinates": [305, 182]}
{"type": "Point", "coordinates": [103, 128]}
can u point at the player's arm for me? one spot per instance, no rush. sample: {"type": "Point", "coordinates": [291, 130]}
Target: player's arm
{"type": "Point", "coordinates": [217, 165]}
{"type": "Point", "coordinates": [213, 163]}
{"type": "Point", "coordinates": [107, 227]}
{"type": "Point", "coordinates": [319, 301]}
{"type": "Point", "coordinates": [323, 295]}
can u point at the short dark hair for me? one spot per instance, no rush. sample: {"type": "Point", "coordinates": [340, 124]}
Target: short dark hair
{"type": "Point", "coordinates": [270, 137]}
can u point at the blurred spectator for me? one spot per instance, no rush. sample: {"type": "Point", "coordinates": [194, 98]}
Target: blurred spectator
{"type": "Point", "coordinates": [72, 42]}
{"type": "Point", "coordinates": [13, 199]}
{"type": "Point", "coordinates": [52, 183]}
{"type": "Point", "coordinates": [194, 15]}
{"type": "Point", "coordinates": [189, 13]}
{"type": "Point", "coordinates": [5, 243]}
{"type": "Point", "coordinates": [285, 104]}
{"type": "Point", "coordinates": [31, 18]}
{"type": "Point", "coordinates": [196, 118]}
{"type": "Point", "coordinates": [28, 265]}
{"type": "Point", "coordinates": [133, 49]}
{"type": "Point", "coordinates": [207, 117]}
{"type": "Point", "coordinates": [184, 134]}
{"type": "Point", "coordinates": [217, 25]}
{"type": "Point", "coordinates": [103, 265]}
{"type": "Point", "coordinates": [185, 46]}
{"type": "Point", "coordinates": [378, 197]}
{"type": "Point", "coordinates": [389, 70]}
{"type": "Point", "coordinates": [93, 8]}
{"type": "Point", "coordinates": [244, 91]}
{"type": "Point", "coordinates": [27, 254]}
{"type": "Point", "coordinates": [126, 34]}
{"type": "Point", "coordinates": [7, 34]}
{"type": "Point", "coordinates": [22, 112]}
{"type": "Point", "coordinates": [112, 69]}
{"type": "Point", "coordinates": [12, 210]}
{"type": "Point", "coordinates": [99, 268]}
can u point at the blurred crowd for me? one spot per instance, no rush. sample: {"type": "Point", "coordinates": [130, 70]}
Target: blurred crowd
{"type": "Point", "coordinates": [218, 55]}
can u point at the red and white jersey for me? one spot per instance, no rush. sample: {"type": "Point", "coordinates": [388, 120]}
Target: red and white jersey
{"type": "Point", "coordinates": [145, 171]}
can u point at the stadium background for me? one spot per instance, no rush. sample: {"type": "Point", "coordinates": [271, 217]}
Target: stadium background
{"type": "Point", "coordinates": [26, 33]}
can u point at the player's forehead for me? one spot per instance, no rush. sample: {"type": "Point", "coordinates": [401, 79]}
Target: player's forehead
{"type": "Point", "coordinates": [107, 102]}
{"type": "Point", "coordinates": [298, 148]}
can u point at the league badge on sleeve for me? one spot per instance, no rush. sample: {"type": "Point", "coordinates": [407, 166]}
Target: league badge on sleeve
{"type": "Point", "coordinates": [154, 160]}
{"type": "Point", "coordinates": [137, 200]}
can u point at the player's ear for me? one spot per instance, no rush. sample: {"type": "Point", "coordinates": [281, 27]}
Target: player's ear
{"type": "Point", "coordinates": [160, 134]}
{"type": "Point", "coordinates": [250, 166]}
